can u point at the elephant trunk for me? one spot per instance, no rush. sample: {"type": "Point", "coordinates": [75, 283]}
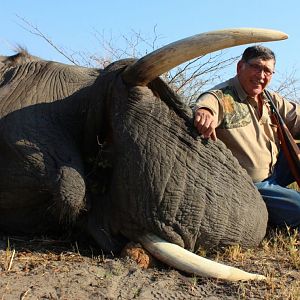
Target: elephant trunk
{"type": "Point", "coordinates": [189, 262]}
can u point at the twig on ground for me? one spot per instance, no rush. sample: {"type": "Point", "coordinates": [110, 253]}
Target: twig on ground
{"type": "Point", "coordinates": [11, 260]}
{"type": "Point", "coordinates": [23, 295]}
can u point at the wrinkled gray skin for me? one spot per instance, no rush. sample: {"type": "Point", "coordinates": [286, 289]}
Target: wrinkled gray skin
{"type": "Point", "coordinates": [79, 148]}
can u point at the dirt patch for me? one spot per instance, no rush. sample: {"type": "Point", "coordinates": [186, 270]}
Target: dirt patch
{"type": "Point", "coordinates": [56, 269]}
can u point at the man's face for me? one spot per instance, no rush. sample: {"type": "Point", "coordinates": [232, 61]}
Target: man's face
{"type": "Point", "coordinates": [255, 75]}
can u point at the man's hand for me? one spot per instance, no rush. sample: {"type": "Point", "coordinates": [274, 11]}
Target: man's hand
{"type": "Point", "coordinates": [205, 123]}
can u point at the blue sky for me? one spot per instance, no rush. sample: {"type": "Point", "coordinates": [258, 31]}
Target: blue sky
{"type": "Point", "coordinates": [72, 24]}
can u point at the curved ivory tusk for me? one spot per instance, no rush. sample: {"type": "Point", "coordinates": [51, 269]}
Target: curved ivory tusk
{"type": "Point", "coordinates": [189, 262]}
{"type": "Point", "coordinates": [164, 59]}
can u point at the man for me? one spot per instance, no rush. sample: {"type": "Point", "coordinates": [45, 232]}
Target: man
{"type": "Point", "coordinates": [238, 113]}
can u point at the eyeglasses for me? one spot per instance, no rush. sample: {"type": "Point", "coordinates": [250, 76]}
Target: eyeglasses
{"type": "Point", "coordinates": [259, 68]}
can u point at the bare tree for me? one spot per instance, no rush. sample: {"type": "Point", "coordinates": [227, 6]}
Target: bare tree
{"type": "Point", "coordinates": [288, 86]}
{"type": "Point", "coordinates": [195, 76]}
{"type": "Point", "coordinates": [188, 79]}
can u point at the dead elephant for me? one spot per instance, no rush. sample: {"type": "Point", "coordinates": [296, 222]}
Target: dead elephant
{"type": "Point", "coordinates": [60, 123]}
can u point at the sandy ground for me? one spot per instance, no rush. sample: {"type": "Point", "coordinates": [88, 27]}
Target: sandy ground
{"type": "Point", "coordinates": [56, 269]}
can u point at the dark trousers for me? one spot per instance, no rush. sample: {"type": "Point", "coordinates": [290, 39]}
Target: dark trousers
{"type": "Point", "coordinates": [283, 204]}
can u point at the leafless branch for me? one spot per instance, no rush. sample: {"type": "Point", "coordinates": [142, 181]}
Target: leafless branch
{"type": "Point", "coordinates": [36, 31]}
{"type": "Point", "coordinates": [288, 86]}
{"type": "Point", "coordinates": [188, 79]}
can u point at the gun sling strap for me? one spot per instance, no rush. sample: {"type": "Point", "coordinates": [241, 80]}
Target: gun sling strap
{"type": "Point", "coordinates": [287, 142]}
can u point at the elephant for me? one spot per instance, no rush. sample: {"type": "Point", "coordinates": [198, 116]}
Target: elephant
{"type": "Point", "coordinates": [113, 153]}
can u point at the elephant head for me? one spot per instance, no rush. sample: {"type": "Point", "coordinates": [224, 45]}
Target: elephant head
{"type": "Point", "coordinates": [167, 180]}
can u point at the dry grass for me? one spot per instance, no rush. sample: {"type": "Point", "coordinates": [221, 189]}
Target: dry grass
{"type": "Point", "coordinates": [278, 258]}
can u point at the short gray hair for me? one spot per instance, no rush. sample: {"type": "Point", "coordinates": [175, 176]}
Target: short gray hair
{"type": "Point", "coordinates": [258, 52]}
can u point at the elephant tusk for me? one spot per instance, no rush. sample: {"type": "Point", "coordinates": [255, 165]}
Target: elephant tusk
{"type": "Point", "coordinates": [164, 59]}
{"type": "Point", "coordinates": [189, 262]}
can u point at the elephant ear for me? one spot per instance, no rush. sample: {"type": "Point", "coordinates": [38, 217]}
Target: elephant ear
{"type": "Point", "coordinates": [17, 59]}
{"type": "Point", "coordinates": [164, 59]}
